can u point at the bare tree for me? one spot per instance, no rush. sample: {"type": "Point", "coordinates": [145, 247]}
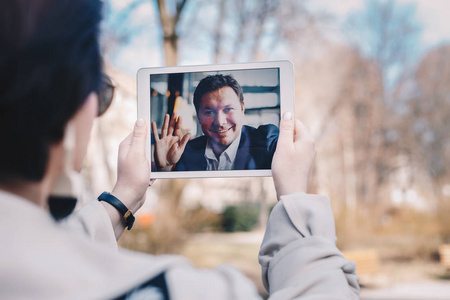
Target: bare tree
{"type": "Point", "coordinates": [430, 113]}
{"type": "Point", "coordinates": [169, 24]}
{"type": "Point", "coordinates": [360, 114]}
{"type": "Point", "coordinates": [387, 32]}
{"type": "Point", "coordinates": [118, 28]}
{"type": "Point", "coordinates": [218, 35]}
{"type": "Point", "coordinates": [424, 128]}
{"type": "Point", "coordinates": [246, 30]}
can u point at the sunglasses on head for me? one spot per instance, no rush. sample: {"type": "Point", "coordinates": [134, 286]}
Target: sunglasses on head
{"type": "Point", "coordinates": [105, 94]}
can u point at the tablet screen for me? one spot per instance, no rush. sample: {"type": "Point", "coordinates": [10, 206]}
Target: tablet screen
{"type": "Point", "coordinates": [213, 123]}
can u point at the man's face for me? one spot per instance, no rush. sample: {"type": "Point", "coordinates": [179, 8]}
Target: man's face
{"type": "Point", "coordinates": [221, 117]}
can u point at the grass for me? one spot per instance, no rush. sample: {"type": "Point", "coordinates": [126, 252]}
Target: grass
{"type": "Point", "coordinates": [219, 249]}
{"type": "Point", "coordinates": [211, 255]}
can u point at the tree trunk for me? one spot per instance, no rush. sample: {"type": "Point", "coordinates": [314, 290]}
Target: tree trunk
{"type": "Point", "coordinates": [168, 227]}
{"type": "Point", "coordinates": [169, 28]}
{"type": "Point", "coordinates": [170, 50]}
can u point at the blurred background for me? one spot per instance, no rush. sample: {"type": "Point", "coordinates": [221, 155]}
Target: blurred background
{"type": "Point", "coordinates": [373, 85]}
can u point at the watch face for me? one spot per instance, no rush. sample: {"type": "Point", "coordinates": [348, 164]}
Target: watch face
{"type": "Point", "coordinates": [129, 219]}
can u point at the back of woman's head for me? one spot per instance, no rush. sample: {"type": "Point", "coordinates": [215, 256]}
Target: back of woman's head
{"type": "Point", "coordinates": [49, 63]}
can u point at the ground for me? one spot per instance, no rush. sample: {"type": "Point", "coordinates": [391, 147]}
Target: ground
{"type": "Point", "coordinates": [394, 280]}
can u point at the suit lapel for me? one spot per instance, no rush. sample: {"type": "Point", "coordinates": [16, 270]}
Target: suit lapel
{"type": "Point", "coordinates": [195, 160]}
{"type": "Point", "coordinates": [243, 152]}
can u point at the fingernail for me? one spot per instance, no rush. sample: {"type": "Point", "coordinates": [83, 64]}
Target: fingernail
{"type": "Point", "coordinates": [140, 122]}
{"type": "Point", "coordinates": [287, 116]}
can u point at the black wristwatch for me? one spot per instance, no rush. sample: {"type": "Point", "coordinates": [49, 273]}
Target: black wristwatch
{"type": "Point", "coordinates": [126, 213]}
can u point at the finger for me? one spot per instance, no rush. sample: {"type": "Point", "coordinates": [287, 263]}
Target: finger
{"type": "Point", "coordinates": [150, 183]}
{"type": "Point", "coordinates": [184, 141]}
{"type": "Point", "coordinates": [165, 126]}
{"type": "Point", "coordinates": [139, 137]}
{"type": "Point", "coordinates": [155, 131]}
{"type": "Point", "coordinates": [177, 131]}
{"type": "Point", "coordinates": [302, 132]}
{"type": "Point", "coordinates": [286, 128]}
{"type": "Point", "coordinates": [124, 146]}
{"type": "Point", "coordinates": [173, 120]}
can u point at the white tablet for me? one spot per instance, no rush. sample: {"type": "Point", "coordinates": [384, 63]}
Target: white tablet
{"type": "Point", "coordinates": [214, 120]}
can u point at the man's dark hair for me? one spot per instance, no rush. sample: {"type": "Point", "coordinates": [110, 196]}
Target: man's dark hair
{"type": "Point", "coordinates": [213, 83]}
{"type": "Point", "coordinates": [49, 63]}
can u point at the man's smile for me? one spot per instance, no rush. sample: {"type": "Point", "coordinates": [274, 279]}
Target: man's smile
{"type": "Point", "coordinates": [222, 130]}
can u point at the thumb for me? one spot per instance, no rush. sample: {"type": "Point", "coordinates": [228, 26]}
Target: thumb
{"type": "Point", "coordinates": [139, 136]}
{"type": "Point", "coordinates": [184, 141]}
{"type": "Point", "coordinates": [287, 126]}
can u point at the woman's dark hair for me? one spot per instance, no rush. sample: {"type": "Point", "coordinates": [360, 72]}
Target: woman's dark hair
{"type": "Point", "coordinates": [213, 83]}
{"type": "Point", "coordinates": [49, 63]}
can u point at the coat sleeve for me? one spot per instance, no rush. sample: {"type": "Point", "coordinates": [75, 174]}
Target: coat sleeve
{"type": "Point", "coordinates": [92, 221]}
{"type": "Point", "coordinates": [222, 283]}
{"type": "Point", "coordinates": [298, 255]}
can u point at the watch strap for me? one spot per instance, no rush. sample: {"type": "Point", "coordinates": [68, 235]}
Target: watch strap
{"type": "Point", "coordinates": [124, 211]}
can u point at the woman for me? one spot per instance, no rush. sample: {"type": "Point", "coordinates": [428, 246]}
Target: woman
{"type": "Point", "coordinates": [50, 93]}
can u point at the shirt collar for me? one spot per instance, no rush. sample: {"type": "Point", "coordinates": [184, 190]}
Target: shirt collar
{"type": "Point", "coordinates": [229, 153]}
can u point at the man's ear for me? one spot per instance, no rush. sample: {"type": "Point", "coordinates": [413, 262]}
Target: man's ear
{"type": "Point", "coordinates": [243, 106]}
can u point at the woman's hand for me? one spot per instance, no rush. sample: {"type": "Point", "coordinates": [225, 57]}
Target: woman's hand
{"type": "Point", "coordinates": [133, 171]}
{"type": "Point", "coordinates": [170, 146]}
{"type": "Point", "coordinates": [133, 176]}
{"type": "Point", "coordinates": [294, 157]}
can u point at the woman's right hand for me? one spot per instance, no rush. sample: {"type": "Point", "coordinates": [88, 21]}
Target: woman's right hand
{"type": "Point", "coordinates": [170, 146]}
{"type": "Point", "coordinates": [294, 157]}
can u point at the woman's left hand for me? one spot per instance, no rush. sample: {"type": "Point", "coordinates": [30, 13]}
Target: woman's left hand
{"type": "Point", "coordinates": [133, 171]}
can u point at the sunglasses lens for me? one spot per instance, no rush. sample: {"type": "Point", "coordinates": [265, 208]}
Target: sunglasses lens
{"type": "Point", "coordinates": [105, 95]}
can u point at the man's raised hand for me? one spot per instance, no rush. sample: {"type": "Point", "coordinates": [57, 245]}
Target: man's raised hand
{"type": "Point", "coordinates": [170, 146]}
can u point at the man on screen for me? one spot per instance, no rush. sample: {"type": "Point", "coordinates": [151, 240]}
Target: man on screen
{"type": "Point", "coordinates": [227, 144]}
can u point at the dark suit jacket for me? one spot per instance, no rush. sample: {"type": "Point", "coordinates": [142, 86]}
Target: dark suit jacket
{"type": "Point", "coordinates": [255, 150]}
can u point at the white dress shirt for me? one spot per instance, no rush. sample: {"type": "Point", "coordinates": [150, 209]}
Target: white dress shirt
{"type": "Point", "coordinates": [226, 158]}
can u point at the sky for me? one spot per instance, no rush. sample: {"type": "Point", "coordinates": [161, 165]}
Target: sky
{"type": "Point", "coordinates": [432, 14]}
{"type": "Point", "coordinates": [143, 52]}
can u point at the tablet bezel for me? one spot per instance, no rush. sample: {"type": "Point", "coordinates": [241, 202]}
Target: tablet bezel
{"type": "Point", "coordinates": [287, 96]}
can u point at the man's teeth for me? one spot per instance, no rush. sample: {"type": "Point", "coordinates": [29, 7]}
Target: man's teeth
{"type": "Point", "coordinates": [222, 131]}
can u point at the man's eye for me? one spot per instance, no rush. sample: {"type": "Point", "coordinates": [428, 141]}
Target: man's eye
{"type": "Point", "coordinates": [209, 113]}
{"type": "Point", "coordinates": [227, 110]}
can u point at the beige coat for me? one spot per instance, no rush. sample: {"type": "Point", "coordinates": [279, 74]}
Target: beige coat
{"type": "Point", "coordinates": [42, 259]}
